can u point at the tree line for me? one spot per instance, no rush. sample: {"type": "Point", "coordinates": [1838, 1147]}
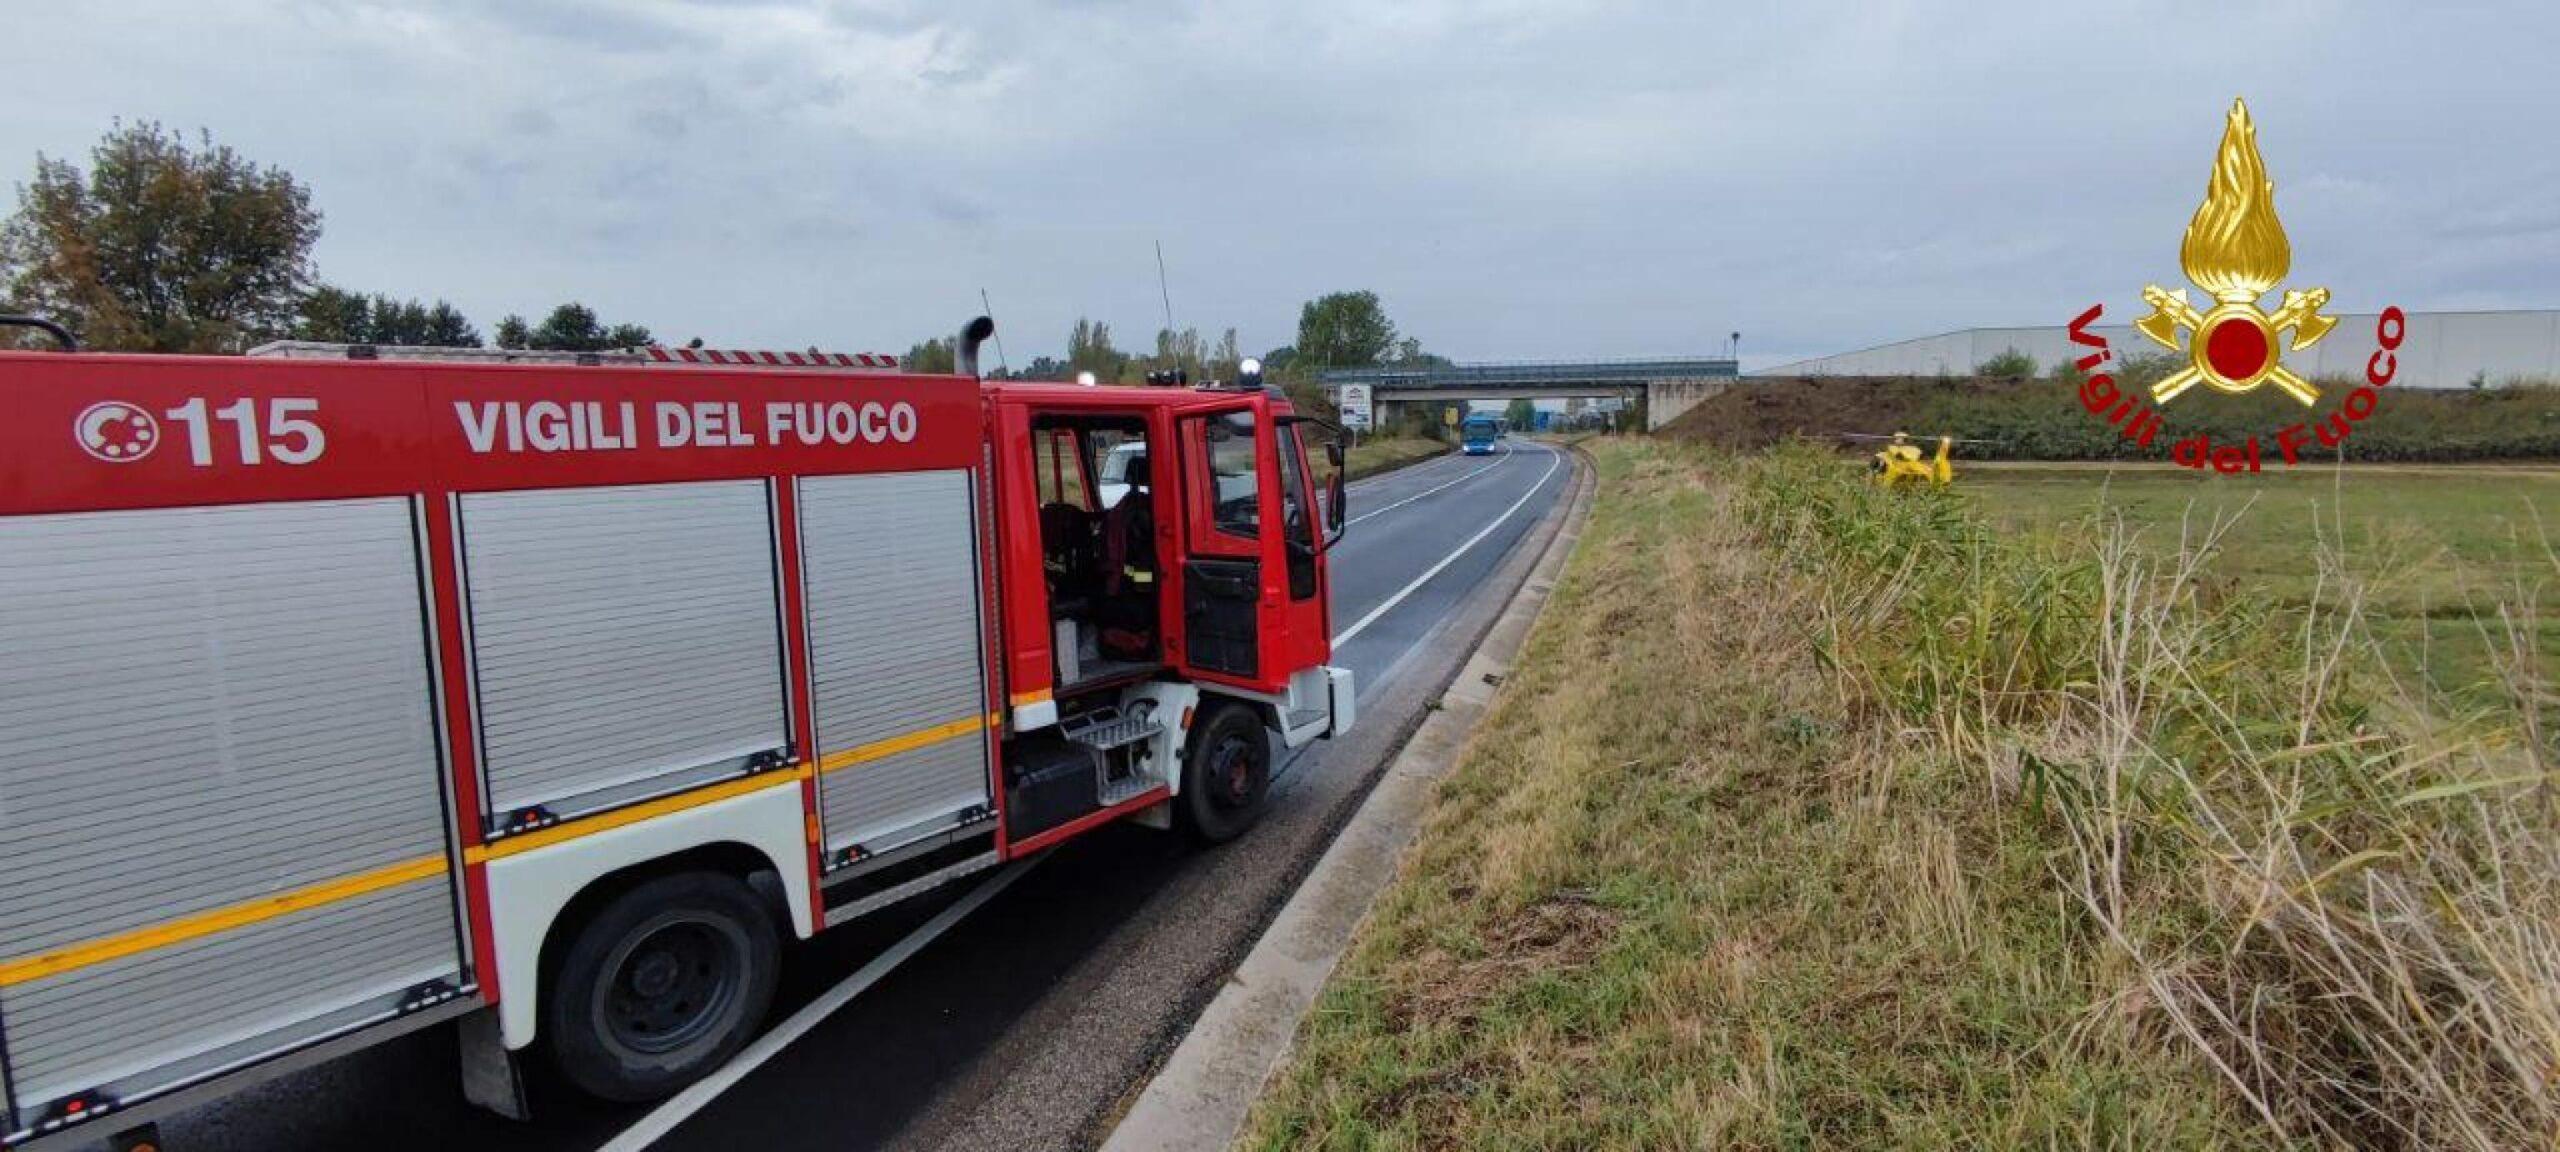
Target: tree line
{"type": "Point", "coordinates": [167, 245]}
{"type": "Point", "coordinates": [1337, 330]}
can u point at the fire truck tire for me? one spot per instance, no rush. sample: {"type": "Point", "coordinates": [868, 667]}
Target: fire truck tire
{"type": "Point", "coordinates": [664, 983]}
{"type": "Point", "coordinates": [1226, 773]}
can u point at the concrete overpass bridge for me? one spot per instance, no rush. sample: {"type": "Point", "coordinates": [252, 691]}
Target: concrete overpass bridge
{"type": "Point", "coordinates": [1669, 386]}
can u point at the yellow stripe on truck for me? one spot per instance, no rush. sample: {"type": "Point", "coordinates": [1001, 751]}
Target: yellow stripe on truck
{"type": "Point", "coordinates": [923, 738]}
{"type": "Point", "coordinates": [264, 908]}
{"type": "Point", "coordinates": [179, 931]}
{"type": "Point", "coordinates": [625, 817]}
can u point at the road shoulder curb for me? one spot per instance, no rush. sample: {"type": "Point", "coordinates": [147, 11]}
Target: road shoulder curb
{"type": "Point", "coordinates": [1202, 1094]}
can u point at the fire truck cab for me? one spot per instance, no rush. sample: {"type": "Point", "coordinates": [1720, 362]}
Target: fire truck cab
{"type": "Point", "coordinates": [348, 691]}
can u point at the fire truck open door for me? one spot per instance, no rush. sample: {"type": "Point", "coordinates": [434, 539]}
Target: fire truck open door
{"type": "Point", "coordinates": [1233, 572]}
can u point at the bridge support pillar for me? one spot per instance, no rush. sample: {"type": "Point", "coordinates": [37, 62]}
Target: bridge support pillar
{"type": "Point", "coordinates": [1665, 400]}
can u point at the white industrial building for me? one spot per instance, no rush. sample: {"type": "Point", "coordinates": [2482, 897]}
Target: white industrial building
{"type": "Point", "coordinates": [2443, 349]}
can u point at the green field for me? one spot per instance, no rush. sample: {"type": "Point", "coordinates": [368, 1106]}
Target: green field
{"type": "Point", "coordinates": [1373, 455]}
{"type": "Point", "coordinates": [2435, 555]}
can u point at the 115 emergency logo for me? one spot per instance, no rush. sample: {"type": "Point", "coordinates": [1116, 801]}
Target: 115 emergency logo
{"type": "Point", "coordinates": [2235, 250]}
{"type": "Point", "coordinates": [116, 432]}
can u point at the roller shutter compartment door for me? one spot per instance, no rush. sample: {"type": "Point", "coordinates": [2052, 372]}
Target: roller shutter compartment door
{"type": "Point", "coordinates": [897, 655]}
{"type": "Point", "coordinates": [221, 795]}
{"type": "Point", "coordinates": [625, 641]}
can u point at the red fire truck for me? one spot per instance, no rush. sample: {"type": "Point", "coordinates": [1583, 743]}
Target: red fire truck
{"type": "Point", "coordinates": [342, 693]}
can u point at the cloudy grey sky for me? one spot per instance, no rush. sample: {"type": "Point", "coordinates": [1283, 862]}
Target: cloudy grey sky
{"type": "Point", "coordinates": [1517, 178]}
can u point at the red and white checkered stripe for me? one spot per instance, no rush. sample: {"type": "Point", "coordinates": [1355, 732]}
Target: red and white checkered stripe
{"type": "Point", "coordinates": [752, 359]}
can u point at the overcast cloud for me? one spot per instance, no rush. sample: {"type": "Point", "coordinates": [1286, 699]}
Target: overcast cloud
{"type": "Point", "coordinates": [1517, 179]}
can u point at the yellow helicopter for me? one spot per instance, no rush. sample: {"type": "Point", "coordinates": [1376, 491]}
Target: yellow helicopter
{"type": "Point", "coordinates": [1900, 460]}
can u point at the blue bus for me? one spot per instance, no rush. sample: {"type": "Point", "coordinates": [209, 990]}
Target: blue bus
{"type": "Point", "coordinates": [1478, 432]}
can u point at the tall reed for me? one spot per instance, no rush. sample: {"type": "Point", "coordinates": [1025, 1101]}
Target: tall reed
{"type": "Point", "coordinates": [2339, 890]}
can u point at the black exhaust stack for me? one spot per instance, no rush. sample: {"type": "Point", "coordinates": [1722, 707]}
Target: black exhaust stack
{"type": "Point", "coordinates": [973, 334]}
{"type": "Point", "coordinates": [60, 334]}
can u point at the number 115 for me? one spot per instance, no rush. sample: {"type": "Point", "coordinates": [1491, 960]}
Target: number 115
{"type": "Point", "coordinates": [288, 437]}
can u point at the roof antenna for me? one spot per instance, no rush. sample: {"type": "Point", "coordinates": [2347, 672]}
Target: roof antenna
{"type": "Point", "coordinates": [990, 314]}
{"type": "Point", "coordinates": [1162, 287]}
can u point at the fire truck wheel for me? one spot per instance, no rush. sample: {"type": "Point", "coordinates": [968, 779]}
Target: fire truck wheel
{"type": "Point", "coordinates": [661, 985]}
{"type": "Point", "coordinates": [1226, 773]}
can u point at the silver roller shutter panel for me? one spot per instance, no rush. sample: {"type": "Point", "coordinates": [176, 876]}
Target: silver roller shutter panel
{"type": "Point", "coordinates": [200, 708]}
{"type": "Point", "coordinates": [896, 647]}
{"type": "Point", "coordinates": [214, 1000]}
{"type": "Point", "coordinates": [626, 639]}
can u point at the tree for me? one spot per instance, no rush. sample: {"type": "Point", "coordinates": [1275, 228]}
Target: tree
{"type": "Point", "coordinates": [334, 315]}
{"type": "Point", "coordinates": [571, 327]}
{"type": "Point", "coordinates": [447, 328]}
{"type": "Point", "coordinates": [2008, 365]}
{"type": "Point", "coordinates": [1521, 413]}
{"type": "Point", "coordinates": [1225, 363]}
{"type": "Point", "coordinates": [160, 247]}
{"type": "Point", "coordinates": [398, 321]}
{"type": "Point", "coordinates": [1180, 352]}
{"type": "Point", "coordinates": [1089, 350]}
{"type": "Point", "coordinates": [1046, 368]}
{"type": "Point", "coordinates": [934, 356]}
{"type": "Point", "coordinates": [1344, 330]}
{"type": "Point", "coordinates": [337, 316]}
{"type": "Point", "coordinates": [1408, 353]}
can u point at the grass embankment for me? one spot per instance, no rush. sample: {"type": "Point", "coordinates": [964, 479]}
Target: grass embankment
{"type": "Point", "coordinates": [1372, 456]}
{"type": "Point", "coordinates": [1815, 816]}
{"type": "Point", "coordinates": [2042, 419]}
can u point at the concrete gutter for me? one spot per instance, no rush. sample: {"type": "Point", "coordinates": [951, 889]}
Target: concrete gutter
{"type": "Point", "coordinates": [1200, 1097]}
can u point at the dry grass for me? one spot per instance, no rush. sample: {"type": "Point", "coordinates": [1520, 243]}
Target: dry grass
{"type": "Point", "coordinates": [2339, 897]}
{"type": "Point", "coordinates": [1817, 817]}
{"type": "Point", "coordinates": [1691, 888]}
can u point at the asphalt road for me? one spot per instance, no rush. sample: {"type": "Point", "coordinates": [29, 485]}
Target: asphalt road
{"type": "Point", "coordinates": [1029, 1023]}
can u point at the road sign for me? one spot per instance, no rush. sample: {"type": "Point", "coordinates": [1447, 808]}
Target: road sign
{"type": "Point", "coordinates": [1355, 406]}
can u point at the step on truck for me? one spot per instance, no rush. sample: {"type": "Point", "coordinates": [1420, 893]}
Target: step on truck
{"type": "Point", "coordinates": [347, 691]}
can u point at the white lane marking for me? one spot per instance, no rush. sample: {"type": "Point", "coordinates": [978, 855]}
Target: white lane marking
{"type": "Point", "coordinates": [1410, 471]}
{"type": "Point", "coordinates": [681, 1107]}
{"type": "Point", "coordinates": [1506, 454]}
{"type": "Point", "coordinates": [1554, 458]}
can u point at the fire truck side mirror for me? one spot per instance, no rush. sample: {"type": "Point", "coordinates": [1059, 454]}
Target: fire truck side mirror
{"type": "Point", "coordinates": [1337, 497]}
{"type": "Point", "coordinates": [1337, 503]}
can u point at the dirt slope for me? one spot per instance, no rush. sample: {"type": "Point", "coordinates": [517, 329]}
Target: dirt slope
{"type": "Point", "coordinates": [1765, 410]}
{"type": "Point", "coordinates": [2043, 419]}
